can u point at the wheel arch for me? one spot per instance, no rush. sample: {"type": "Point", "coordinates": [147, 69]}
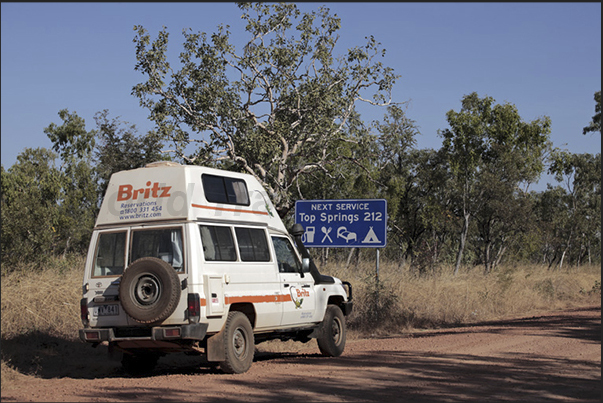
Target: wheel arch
{"type": "Point", "coordinates": [336, 300]}
{"type": "Point", "coordinates": [246, 308]}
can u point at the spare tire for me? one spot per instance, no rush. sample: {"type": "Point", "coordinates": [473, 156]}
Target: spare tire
{"type": "Point", "coordinates": [149, 290]}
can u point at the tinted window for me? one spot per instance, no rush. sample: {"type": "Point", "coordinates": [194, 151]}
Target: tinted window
{"type": "Point", "coordinates": [165, 244]}
{"type": "Point", "coordinates": [219, 189]}
{"type": "Point", "coordinates": [110, 254]}
{"type": "Point", "coordinates": [253, 246]}
{"type": "Point", "coordinates": [218, 244]}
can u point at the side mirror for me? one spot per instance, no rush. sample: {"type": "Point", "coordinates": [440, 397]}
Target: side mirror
{"type": "Point", "coordinates": [305, 264]}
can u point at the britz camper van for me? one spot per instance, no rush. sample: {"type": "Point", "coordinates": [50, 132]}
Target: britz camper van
{"type": "Point", "coordinates": [196, 260]}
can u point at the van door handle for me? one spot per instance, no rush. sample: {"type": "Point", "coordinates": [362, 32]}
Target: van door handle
{"type": "Point", "coordinates": [306, 286]}
{"type": "Point", "coordinates": [285, 285]}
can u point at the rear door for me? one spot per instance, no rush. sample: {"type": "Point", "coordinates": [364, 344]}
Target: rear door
{"type": "Point", "coordinates": [106, 265]}
{"type": "Point", "coordinates": [168, 244]}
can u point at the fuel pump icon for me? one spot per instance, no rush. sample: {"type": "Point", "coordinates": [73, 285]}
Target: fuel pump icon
{"type": "Point", "coordinates": [308, 236]}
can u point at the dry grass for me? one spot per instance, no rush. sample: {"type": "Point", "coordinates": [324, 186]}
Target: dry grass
{"type": "Point", "coordinates": [46, 300]}
{"type": "Point", "coordinates": [40, 308]}
{"type": "Point", "coordinates": [407, 301]}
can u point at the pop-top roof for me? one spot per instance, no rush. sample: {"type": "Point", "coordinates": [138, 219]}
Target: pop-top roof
{"type": "Point", "coordinates": [166, 190]}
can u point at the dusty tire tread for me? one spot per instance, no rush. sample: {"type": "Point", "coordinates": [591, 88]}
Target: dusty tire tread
{"type": "Point", "coordinates": [232, 365]}
{"type": "Point", "coordinates": [326, 343]}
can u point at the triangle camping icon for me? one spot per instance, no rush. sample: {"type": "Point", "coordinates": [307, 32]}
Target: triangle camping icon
{"type": "Point", "coordinates": [371, 237]}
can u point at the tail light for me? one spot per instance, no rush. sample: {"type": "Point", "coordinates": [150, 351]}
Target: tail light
{"type": "Point", "coordinates": [194, 308]}
{"type": "Point", "coordinates": [92, 335]}
{"type": "Point", "coordinates": [84, 314]}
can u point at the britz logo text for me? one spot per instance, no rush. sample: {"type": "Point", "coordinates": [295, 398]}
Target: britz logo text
{"type": "Point", "coordinates": [302, 293]}
{"type": "Point", "coordinates": [127, 192]}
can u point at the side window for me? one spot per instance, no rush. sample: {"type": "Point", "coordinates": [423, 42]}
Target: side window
{"type": "Point", "coordinates": [220, 189]}
{"type": "Point", "coordinates": [253, 246]}
{"type": "Point", "coordinates": [165, 244]}
{"type": "Point", "coordinates": [218, 244]}
{"type": "Point", "coordinates": [110, 254]}
{"type": "Point", "coordinates": [285, 255]}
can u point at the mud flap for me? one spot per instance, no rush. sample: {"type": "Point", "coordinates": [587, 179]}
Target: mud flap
{"type": "Point", "coordinates": [215, 348]}
{"type": "Point", "coordinates": [317, 332]}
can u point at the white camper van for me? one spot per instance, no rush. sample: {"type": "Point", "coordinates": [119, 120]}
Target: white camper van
{"type": "Point", "coordinates": [193, 259]}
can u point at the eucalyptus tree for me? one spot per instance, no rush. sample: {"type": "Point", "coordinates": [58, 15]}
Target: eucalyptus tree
{"type": "Point", "coordinates": [581, 176]}
{"type": "Point", "coordinates": [490, 146]}
{"type": "Point", "coordinates": [77, 205]}
{"type": "Point", "coordinates": [396, 141]}
{"type": "Point", "coordinates": [432, 177]}
{"type": "Point", "coordinates": [552, 217]}
{"type": "Point", "coordinates": [505, 211]}
{"type": "Point", "coordinates": [277, 108]}
{"type": "Point", "coordinates": [119, 147]}
{"type": "Point", "coordinates": [31, 190]}
{"type": "Point", "coordinates": [48, 207]}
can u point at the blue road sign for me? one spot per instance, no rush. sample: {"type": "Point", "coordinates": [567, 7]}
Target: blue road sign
{"type": "Point", "coordinates": [356, 223]}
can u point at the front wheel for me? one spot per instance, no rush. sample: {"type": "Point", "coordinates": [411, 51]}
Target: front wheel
{"type": "Point", "coordinates": [239, 344]}
{"type": "Point", "coordinates": [331, 341]}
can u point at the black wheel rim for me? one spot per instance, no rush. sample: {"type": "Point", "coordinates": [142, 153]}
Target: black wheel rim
{"type": "Point", "coordinates": [239, 344]}
{"type": "Point", "coordinates": [336, 331]}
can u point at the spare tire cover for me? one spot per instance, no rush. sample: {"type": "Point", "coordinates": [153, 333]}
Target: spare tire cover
{"type": "Point", "coordinates": [149, 290]}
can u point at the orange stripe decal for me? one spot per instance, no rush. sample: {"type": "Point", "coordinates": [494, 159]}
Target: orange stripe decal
{"type": "Point", "coordinates": [256, 299]}
{"type": "Point", "coordinates": [229, 209]}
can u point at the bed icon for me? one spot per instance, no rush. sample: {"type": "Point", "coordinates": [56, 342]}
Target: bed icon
{"type": "Point", "coordinates": [342, 232]}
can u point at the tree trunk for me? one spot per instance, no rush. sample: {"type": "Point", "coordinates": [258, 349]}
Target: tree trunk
{"type": "Point", "coordinates": [501, 252]}
{"type": "Point", "coordinates": [459, 256]}
{"type": "Point", "coordinates": [351, 254]}
{"type": "Point", "coordinates": [66, 247]}
{"type": "Point", "coordinates": [567, 247]}
{"type": "Point", "coordinates": [324, 256]}
{"type": "Point", "coordinates": [561, 260]}
{"type": "Point", "coordinates": [487, 248]}
{"type": "Point", "coordinates": [434, 256]}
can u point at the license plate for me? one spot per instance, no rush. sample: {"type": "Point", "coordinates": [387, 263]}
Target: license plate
{"type": "Point", "coordinates": [107, 310]}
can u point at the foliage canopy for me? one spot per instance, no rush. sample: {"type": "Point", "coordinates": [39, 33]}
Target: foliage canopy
{"type": "Point", "coordinates": [277, 109]}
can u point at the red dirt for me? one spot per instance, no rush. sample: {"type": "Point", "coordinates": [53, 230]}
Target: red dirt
{"type": "Point", "coordinates": [552, 357]}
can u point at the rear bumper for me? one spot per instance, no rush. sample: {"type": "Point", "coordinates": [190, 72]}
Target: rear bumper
{"type": "Point", "coordinates": [196, 331]}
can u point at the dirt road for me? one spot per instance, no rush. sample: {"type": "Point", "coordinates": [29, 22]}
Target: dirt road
{"type": "Point", "coordinates": [546, 358]}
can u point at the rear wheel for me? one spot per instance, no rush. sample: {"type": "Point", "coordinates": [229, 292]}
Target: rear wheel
{"type": "Point", "coordinates": [239, 344]}
{"type": "Point", "coordinates": [331, 341]}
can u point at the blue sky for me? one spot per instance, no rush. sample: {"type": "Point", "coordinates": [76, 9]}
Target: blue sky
{"type": "Point", "coordinates": [545, 58]}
